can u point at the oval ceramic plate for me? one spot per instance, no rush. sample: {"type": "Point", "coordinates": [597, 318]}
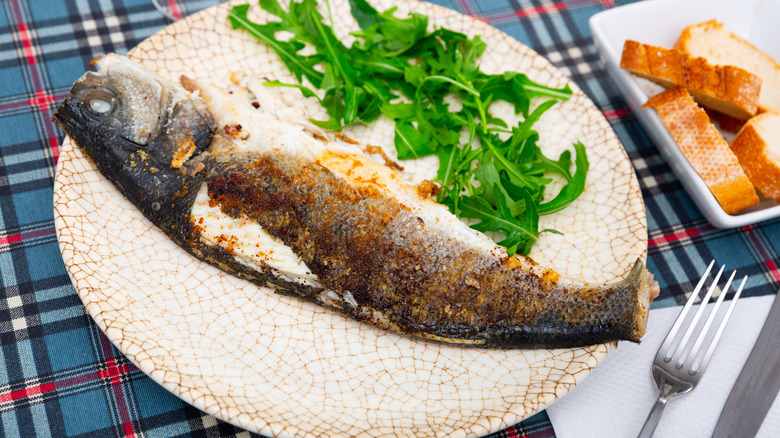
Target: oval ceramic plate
{"type": "Point", "coordinates": [279, 366]}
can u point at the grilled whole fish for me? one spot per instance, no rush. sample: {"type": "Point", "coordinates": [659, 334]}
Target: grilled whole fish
{"type": "Point", "coordinates": [231, 178]}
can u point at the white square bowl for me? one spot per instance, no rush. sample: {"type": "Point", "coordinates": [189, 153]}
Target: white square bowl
{"type": "Point", "coordinates": [660, 22]}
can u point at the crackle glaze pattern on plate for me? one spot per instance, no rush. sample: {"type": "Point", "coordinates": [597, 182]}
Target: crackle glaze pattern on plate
{"type": "Point", "coordinates": [279, 366]}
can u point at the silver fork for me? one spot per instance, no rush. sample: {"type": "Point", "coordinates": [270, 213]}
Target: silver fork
{"type": "Point", "coordinates": [677, 367]}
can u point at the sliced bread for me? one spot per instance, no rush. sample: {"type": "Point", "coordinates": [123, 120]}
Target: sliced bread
{"type": "Point", "coordinates": [705, 149]}
{"type": "Point", "coordinates": [727, 89]}
{"type": "Point", "coordinates": [710, 40]}
{"type": "Point", "coordinates": [757, 146]}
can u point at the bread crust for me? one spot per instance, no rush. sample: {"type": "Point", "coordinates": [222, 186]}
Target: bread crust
{"type": "Point", "coordinates": [711, 40]}
{"type": "Point", "coordinates": [705, 149]}
{"type": "Point", "coordinates": [750, 147]}
{"type": "Point", "coordinates": [727, 89]}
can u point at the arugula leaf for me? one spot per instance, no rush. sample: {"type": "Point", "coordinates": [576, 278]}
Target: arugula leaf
{"type": "Point", "coordinates": [535, 90]}
{"type": "Point", "coordinates": [574, 188]}
{"type": "Point", "coordinates": [448, 159]}
{"type": "Point", "coordinates": [400, 110]}
{"type": "Point", "coordinates": [560, 166]}
{"type": "Point", "coordinates": [409, 143]}
{"type": "Point", "coordinates": [306, 91]}
{"type": "Point", "coordinates": [383, 67]}
{"type": "Point", "coordinates": [300, 66]}
{"type": "Point", "coordinates": [364, 13]}
{"type": "Point", "coordinates": [519, 233]}
{"type": "Point", "coordinates": [524, 128]}
{"type": "Point", "coordinates": [398, 69]}
{"type": "Point", "coordinates": [384, 34]}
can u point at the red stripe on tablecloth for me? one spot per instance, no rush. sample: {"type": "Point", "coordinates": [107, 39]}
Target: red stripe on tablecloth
{"type": "Point", "coordinates": [128, 427]}
{"type": "Point", "coordinates": [668, 238]}
{"type": "Point", "coordinates": [762, 251]}
{"type": "Point", "coordinates": [35, 101]}
{"type": "Point", "coordinates": [512, 433]}
{"type": "Point", "coordinates": [26, 392]}
{"type": "Point", "coordinates": [35, 74]}
{"type": "Point", "coordinates": [54, 145]}
{"type": "Point", "coordinates": [27, 48]}
{"type": "Point", "coordinates": [174, 8]}
{"type": "Point", "coordinates": [114, 373]}
{"type": "Point", "coordinates": [14, 105]}
{"type": "Point", "coordinates": [546, 433]}
{"type": "Point", "coordinates": [78, 380]}
{"type": "Point", "coordinates": [773, 269]}
{"type": "Point", "coordinates": [501, 17]}
{"type": "Point", "coordinates": [42, 100]}
{"type": "Point", "coordinates": [540, 10]}
{"type": "Point", "coordinates": [616, 113]}
{"type": "Point", "coordinates": [37, 233]}
{"type": "Point", "coordinates": [10, 239]}
{"type": "Point", "coordinates": [525, 13]}
{"type": "Point", "coordinates": [14, 238]}
{"type": "Point", "coordinates": [466, 10]}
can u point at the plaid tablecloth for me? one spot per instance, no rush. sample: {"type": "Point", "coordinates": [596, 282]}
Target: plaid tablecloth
{"type": "Point", "coordinates": [60, 376]}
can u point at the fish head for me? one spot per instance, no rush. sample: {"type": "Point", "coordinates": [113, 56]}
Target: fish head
{"type": "Point", "coordinates": [142, 131]}
{"type": "Point", "coordinates": [123, 108]}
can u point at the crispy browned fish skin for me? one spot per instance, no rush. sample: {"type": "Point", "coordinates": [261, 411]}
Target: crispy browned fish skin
{"type": "Point", "coordinates": [357, 240]}
{"type": "Point", "coordinates": [401, 274]}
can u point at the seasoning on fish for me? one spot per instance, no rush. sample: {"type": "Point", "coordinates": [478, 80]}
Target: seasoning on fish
{"type": "Point", "coordinates": [232, 178]}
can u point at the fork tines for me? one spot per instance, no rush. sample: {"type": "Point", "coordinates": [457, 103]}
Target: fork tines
{"type": "Point", "coordinates": [678, 365]}
{"type": "Point", "coordinates": [674, 348]}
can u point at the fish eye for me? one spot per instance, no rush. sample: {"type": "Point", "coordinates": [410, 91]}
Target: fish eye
{"type": "Point", "coordinates": [101, 102]}
{"type": "Point", "coordinates": [100, 105]}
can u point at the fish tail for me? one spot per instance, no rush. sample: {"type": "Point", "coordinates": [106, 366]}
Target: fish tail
{"type": "Point", "coordinates": [639, 288]}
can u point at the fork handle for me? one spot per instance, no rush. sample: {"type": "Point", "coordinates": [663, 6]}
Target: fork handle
{"type": "Point", "coordinates": [654, 417]}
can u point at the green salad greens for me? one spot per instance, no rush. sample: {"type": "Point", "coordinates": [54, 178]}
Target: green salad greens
{"type": "Point", "coordinates": [399, 69]}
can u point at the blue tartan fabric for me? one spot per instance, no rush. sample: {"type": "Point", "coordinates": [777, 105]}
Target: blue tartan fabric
{"type": "Point", "coordinates": [60, 376]}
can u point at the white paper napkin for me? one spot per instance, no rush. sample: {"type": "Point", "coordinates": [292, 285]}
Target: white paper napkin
{"type": "Point", "coordinates": [614, 400]}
